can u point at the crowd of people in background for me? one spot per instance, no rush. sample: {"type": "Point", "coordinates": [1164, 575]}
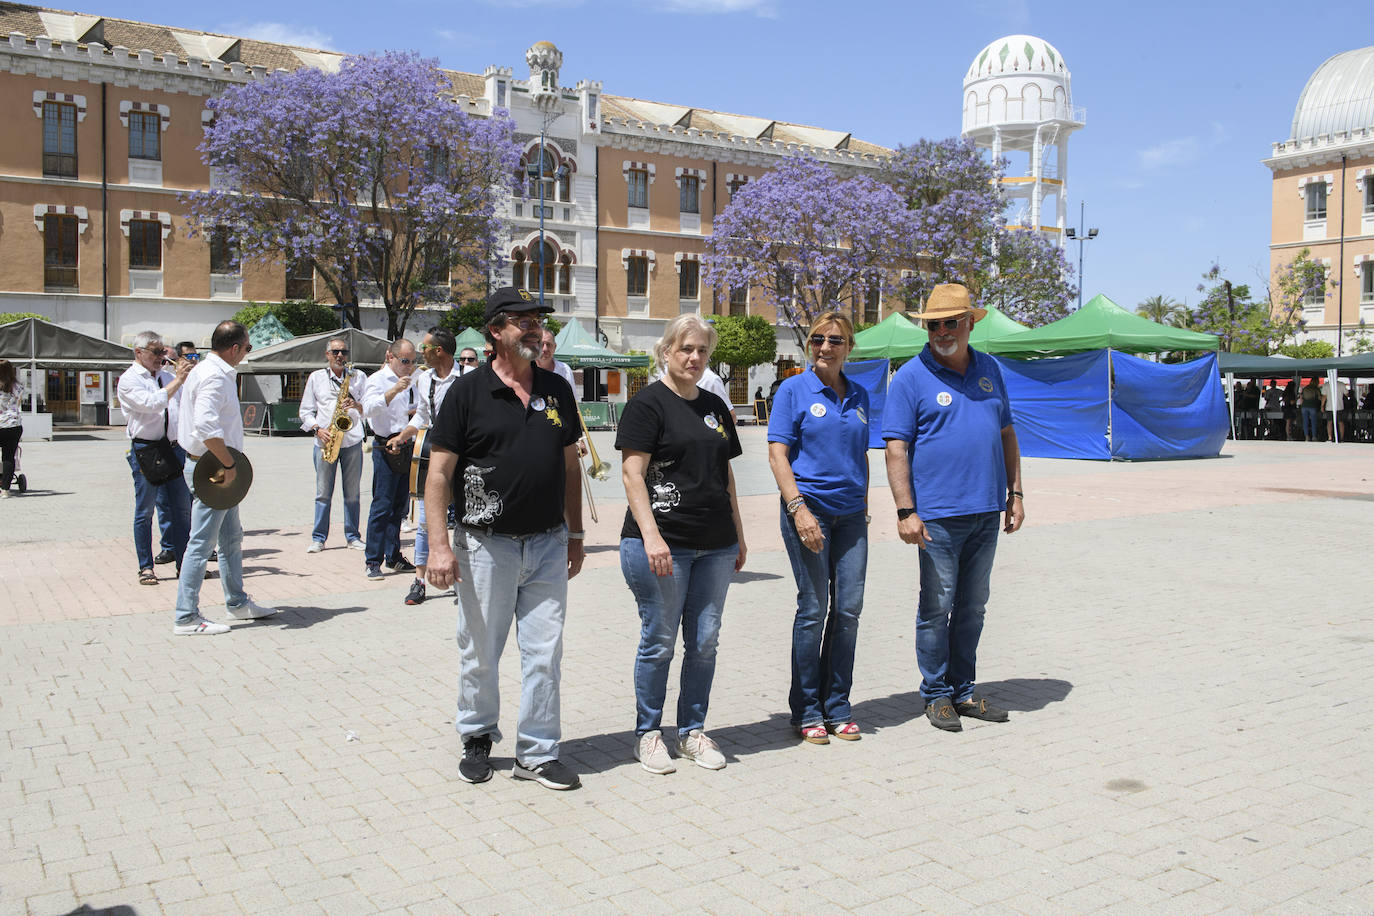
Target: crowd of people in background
{"type": "Point", "coordinates": [1300, 410]}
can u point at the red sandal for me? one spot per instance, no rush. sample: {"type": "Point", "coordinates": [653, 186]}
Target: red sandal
{"type": "Point", "coordinates": [814, 734]}
{"type": "Point", "coordinates": [849, 731]}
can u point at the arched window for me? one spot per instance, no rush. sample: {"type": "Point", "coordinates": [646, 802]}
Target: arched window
{"type": "Point", "coordinates": [550, 167]}
{"type": "Point", "coordinates": [517, 270]}
{"type": "Point", "coordinates": [549, 262]}
{"type": "Point", "coordinates": [565, 273]}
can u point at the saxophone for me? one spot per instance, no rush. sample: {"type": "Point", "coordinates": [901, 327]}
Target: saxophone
{"type": "Point", "coordinates": [341, 422]}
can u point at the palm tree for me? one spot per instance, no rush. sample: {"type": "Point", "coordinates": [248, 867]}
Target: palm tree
{"type": "Point", "coordinates": [1163, 310]}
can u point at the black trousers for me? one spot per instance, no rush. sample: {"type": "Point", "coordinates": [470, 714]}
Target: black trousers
{"type": "Point", "coordinates": [9, 444]}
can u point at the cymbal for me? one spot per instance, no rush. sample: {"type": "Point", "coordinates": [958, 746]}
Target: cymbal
{"type": "Point", "coordinates": [217, 495]}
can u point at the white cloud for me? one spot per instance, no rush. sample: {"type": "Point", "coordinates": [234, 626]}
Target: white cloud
{"type": "Point", "coordinates": [1170, 153]}
{"type": "Point", "coordinates": [765, 9]}
{"type": "Point", "coordinates": [284, 33]}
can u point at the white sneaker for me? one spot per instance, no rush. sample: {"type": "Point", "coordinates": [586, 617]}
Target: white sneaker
{"type": "Point", "coordinates": [406, 526]}
{"type": "Point", "coordinates": [357, 545]}
{"type": "Point", "coordinates": [249, 610]}
{"type": "Point", "coordinates": [652, 754]}
{"type": "Point", "coordinates": [315, 547]}
{"type": "Point", "coordinates": [701, 749]}
{"type": "Point", "coordinates": [199, 627]}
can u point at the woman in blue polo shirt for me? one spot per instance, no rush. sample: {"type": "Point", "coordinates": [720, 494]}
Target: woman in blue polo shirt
{"type": "Point", "coordinates": [818, 450]}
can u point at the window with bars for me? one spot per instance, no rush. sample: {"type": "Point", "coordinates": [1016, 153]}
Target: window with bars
{"type": "Point", "coordinates": [145, 244]}
{"type": "Point", "coordinates": [59, 253]}
{"type": "Point", "coordinates": [532, 174]}
{"type": "Point", "coordinates": [639, 187]}
{"type": "Point", "coordinates": [1367, 281]}
{"type": "Point", "coordinates": [739, 300]}
{"type": "Point", "coordinates": [689, 194]}
{"type": "Point", "coordinates": [59, 140]}
{"type": "Point", "coordinates": [294, 388]}
{"type": "Point", "coordinates": [1316, 293]}
{"type": "Point", "coordinates": [734, 184]}
{"type": "Point", "coordinates": [637, 276]}
{"type": "Point", "coordinates": [1316, 200]}
{"type": "Point", "coordinates": [548, 263]}
{"type": "Point", "coordinates": [565, 274]}
{"type": "Point", "coordinates": [1369, 194]}
{"type": "Point", "coordinates": [224, 252]}
{"type": "Point", "coordinates": [517, 270]}
{"type": "Point", "coordinates": [145, 135]}
{"type": "Point", "coordinates": [689, 279]}
{"type": "Point", "coordinates": [300, 280]}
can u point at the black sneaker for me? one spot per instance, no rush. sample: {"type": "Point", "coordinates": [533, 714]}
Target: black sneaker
{"type": "Point", "coordinates": [978, 708]}
{"type": "Point", "coordinates": [214, 556]}
{"type": "Point", "coordinates": [940, 712]}
{"type": "Point", "coordinates": [399, 563]}
{"type": "Point", "coordinates": [165, 557]}
{"type": "Point", "coordinates": [416, 595]}
{"type": "Point", "coordinates": [474, 766]}
{"type": "Point", "coordinates": [550, 774]}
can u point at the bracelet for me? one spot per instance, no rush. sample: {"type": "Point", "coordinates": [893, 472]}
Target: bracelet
{"type": "Point", "coordinates": [794, 504]}
{"type": "Point", "coordinates": [577, 535]}
{"type": "Point", "coordinates": [1017, 493]}
{"type": "Point", "coordinates": [229, 467]}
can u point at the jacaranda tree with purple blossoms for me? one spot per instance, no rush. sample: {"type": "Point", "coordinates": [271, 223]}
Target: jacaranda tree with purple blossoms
{"type": "Point", "coordinates": [372, 175]}
{"type": "Point", "coordinates": [1029, 280]}
{"type": "Point", "coordinates": [954, 214]}
{"type": "Point", "coordinates": [811, 240]}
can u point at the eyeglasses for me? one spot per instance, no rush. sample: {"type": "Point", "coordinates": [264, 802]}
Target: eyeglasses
{"type": "Point", "coordinates": [337, 352]}
{"type": "Point", "coordinates": [156, 351]}
{"type": "Point", "coordinates": [524, 324]}
{"type": "Point", "coordinates": [405, 362]}
{"type": "Point", "coordinates": [467, 359]}
{"type": "Point", "coordinates": [948, 324]}
{"type": "Point", "coordinates": [835, 340]}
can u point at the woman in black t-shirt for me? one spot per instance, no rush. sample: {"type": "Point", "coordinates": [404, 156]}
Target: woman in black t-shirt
{"type": "Point", "coordinates": [681, 540]}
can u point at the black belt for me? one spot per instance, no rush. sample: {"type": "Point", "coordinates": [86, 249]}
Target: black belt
{"type": "Point", "coordinates": [150, 441]}
{"type": "Point", "coordinates": [489, 532]}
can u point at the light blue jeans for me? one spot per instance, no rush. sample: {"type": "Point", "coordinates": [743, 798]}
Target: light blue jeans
{"type": "Point", "coordinates": [505, 580]}
{"type": "Point", "coordinates": [351, 463]}
{"type": "Point", "coordinates": [422, 537]}
{"type": "Point", "coordinates": [209, 527]}
{"type": "Point", "coordinates": [693, 597]}
{"type": "Point", "coordinates": [956, 574]}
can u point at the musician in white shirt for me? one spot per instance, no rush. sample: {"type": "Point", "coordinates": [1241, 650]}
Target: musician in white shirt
{"type": "Point", "coordinates": [431, 384]}
{"type": "Point", "coordinates": [149, 396]}
{"type": "Point", "coordinates": [211, 422]}
{"type": "Point", "coordinates": [318, 403]}
{"type": "Point", "coordinates": [387, 405]}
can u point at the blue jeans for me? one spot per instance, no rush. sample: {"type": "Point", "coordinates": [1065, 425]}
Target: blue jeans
{"type": "Point", "coordinates": [956, 570]}
{"type": "Point", "coordinates": [824, 635]}
{"type": "Point", "coordinates": [693, 597]}
{"type": "Point", "coordinates": [1310, 418]}
{"type": "Point", "coordinates": [173, 502]}
{"type": "Point", "coordinates": [505, 580]}
{"type": "Point", "coordinates": [210, 528]}
{"type": "Point", "coordinates": [390, 502]}
{"type": "Point", "coordinates": [422, 536]}
{"type": "Point", "coordinates": [351, 462]}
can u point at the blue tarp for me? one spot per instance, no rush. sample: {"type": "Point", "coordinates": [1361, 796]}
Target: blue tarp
{"type": "Point", "coordinates": [1060, 407]}
{"type": "Point", "coordinates": [871, 374]}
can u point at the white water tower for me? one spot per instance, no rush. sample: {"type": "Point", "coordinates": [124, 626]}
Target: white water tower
{"type": "Point", "coordinates": [1018, 104]}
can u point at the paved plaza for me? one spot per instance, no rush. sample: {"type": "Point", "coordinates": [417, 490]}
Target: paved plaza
{"type": "Point", "coordinates": [1186, 648]}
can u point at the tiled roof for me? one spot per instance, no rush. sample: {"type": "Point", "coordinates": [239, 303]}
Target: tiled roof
{"type": "Point", "coordinates": [17, 17]}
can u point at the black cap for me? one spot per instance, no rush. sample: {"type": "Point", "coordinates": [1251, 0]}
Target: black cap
{"type": "Point", "coordinates": [511, 299]}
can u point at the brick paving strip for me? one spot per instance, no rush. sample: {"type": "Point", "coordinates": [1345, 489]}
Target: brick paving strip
{"type": "Point", "coordinates": [1185, 647]}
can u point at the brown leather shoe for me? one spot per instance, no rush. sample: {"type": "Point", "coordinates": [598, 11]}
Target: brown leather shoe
{"type": "Point", "coordinates": [979, 708]}
{"type": "Point", "coordinates": [940, 712]}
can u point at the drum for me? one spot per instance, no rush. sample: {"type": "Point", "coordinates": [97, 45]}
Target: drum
{"type": "Point", "coordinates": [419, 464]}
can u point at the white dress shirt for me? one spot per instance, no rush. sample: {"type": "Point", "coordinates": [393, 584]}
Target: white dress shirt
{"type": "Point", "coordinates": [146, 405]}
{"type": "Point", "coordinates": [712, 383]}
{"type": "Point", "coordinates": [387, 419]}
{"type": "Point", "coordinates": [211, 401]}
{"type": "Point", "coordinates": [565, 372]}
{"type": "Point", "coordinates": [322, 393]}
{"type": "Point", "coordinates": [429, 394]}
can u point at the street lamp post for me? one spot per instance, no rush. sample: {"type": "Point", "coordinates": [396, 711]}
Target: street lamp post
{"type": "Point", "coordinates": [1080, 237]}
{"type": "Point", "coordinates": [537, 172]}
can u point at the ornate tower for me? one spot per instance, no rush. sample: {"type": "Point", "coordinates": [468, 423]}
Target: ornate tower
{"type": "Point", "coordinates": [544, 59]}
{"type": "Point", "coordinates": [1018, 103]}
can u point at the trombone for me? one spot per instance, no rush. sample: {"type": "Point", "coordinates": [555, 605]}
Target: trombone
{"type": "Point", "coordinates": [594, 467]}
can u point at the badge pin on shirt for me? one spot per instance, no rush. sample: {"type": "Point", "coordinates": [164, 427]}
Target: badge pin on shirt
{"type": "Point", "coordinates": [944, 399]}
{"type": "Point", "coordinates": [537, 403]}
{"type": "Point", "coordinates": [818, 410]}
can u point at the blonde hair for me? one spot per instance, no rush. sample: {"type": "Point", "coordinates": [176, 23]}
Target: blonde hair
{"type": "Point", "coordinates": [838, 319]}
{"type": "Point", "coordinates": [677, 330]}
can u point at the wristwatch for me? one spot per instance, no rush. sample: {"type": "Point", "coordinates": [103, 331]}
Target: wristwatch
{"type": "Point", "coordinates": [904, 513]}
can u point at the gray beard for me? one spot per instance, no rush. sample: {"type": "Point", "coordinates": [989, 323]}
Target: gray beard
{"type": "Point", "coordinates": [529, 354]}
{"type": "Point", "coordinates": [945, 349]}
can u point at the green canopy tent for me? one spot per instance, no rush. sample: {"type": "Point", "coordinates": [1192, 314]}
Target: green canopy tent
{"type": "Point", "coordinates": [1100, 324]}
{"type": "Point", "coordinates": [268, 331]}
{"type": "Point", "coordinates": [895, 337]}
{"type": "Point", "coordinates": [579, 350]}
{"type": "Point", "coordinates": [994, 324]}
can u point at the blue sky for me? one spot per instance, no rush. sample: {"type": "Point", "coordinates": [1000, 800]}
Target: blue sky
{"type": "Point", "coordinates": [1183, 99]}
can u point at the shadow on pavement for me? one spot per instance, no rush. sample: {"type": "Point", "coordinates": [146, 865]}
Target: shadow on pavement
{"type": "Point", "coordinates": [1026, 694]}
{"type": "Point", "coordinates": [751, 576]}
{"type": "Point", "coordinates": [293, 617]}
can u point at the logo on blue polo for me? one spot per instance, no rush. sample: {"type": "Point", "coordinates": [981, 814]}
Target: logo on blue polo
{"type": "Point", "coordinates": [944, 399]}
{"type": "Point", "coordinates": [817, 410]}
{"type": "Point", "coordinates": [985, 383]}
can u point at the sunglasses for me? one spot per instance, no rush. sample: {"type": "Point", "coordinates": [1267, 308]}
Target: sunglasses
{"type": "Point", "coordinates": [337, 352]}
{"type": "Point", "coordinates": [405, 362]}
{"type": "Point", "coordinates": [948, 324]}
{"type": "Point", "coordinates": [820, 340]}
{"type": "Point", "coordinates": [156, 351]}
{"type": "Point", "coordinates": [467, 359]}
{"type": "Point", "coordinates": [191, 357]}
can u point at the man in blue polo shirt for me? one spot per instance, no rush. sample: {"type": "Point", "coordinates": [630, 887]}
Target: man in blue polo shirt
{"type": "Point", "coordinates": [949, 433]}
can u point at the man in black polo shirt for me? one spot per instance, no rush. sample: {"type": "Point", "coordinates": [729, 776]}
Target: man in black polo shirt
{"type": "Point", "coordinates": [509, 433]}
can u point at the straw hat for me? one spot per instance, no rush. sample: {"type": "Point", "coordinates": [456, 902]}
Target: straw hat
{"type": "Point", "coordinates": [948, 300]}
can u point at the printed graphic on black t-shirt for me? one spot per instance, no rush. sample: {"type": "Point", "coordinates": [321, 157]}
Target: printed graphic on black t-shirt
{"type": "Point", "coordinates": [690, 444]}
{"type": "Point", "coordinates": [510, 456]}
